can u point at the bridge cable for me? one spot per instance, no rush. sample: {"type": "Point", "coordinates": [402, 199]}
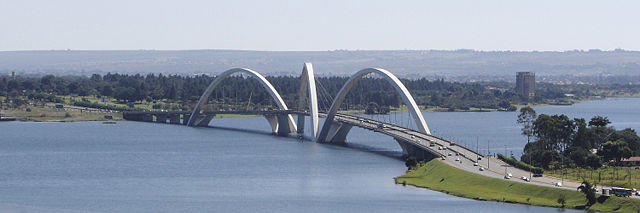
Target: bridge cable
{"type": "Point", "coordinates": [249, 102]}
{"type": "Point", "coordinates": [323, 97]}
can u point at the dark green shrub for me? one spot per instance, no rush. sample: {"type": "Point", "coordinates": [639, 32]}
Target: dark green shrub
{"type": "Point", "coordinates": [520, 164]}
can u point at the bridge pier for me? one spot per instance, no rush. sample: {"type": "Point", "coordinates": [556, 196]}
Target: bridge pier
{"type": "Point", "coordinates": [185, 118]}
{"type": "Point", "coordinates": [174, 118]}
{"type": "Point", "coordinates": [410, 150]}
{"type": "Point", "coordinates": [147, 118]}
{"type": "Point", "coordinates": [131, 116]}
{"type": "Point", "coordinates": [338, 133]}
{"type": "Point", "coordinates": [161, 118]}
{"type": "Point", "coordinates": [205, 121]}
{"type": "Point", "coordinates": [279, 124]}
{"type": "Point", "coordinates": [300, 124]}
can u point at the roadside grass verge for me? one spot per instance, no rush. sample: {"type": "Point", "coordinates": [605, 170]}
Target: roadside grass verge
{"type": "Point", "coordinates": [438, 176]}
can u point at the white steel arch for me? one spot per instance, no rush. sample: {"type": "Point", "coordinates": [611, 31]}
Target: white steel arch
{"type": "Point", "coordinates": [263, 81]}
{"type": "Point", "coordinates": [308, 85]}
{"type": "Point", "coordinates": [326, 136]}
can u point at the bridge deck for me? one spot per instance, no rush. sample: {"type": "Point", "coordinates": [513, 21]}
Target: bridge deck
{"type": "Point", "coordinates": [414, 137]}
{"type": "Point", "coordinates": [247, 112]}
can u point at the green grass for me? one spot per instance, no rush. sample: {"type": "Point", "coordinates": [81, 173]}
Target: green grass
{"type": "Point", "coordinates": [438, 176]}
{"type": "Point", "coordinates": [610, 176]}
{"type": "Point", "coordinates": [47, 114]}
{"type": "Point", "coordinates": [139, 105]}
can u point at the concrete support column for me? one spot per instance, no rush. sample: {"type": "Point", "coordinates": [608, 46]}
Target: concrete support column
{"type": "Point", "coordinates": [410, 150]}
{"type": "Point", "coordinates": [161, 118]}
{"type": "Point", "coordinates": [300, 124]}
{"type": "Point", "coordinates": [283, 125]}
{"type": "Point", "coordinates": [174, 118]}
{"type": "Point", "coordinates": [185, 118]}
{"type": "Point", "coordinates": [147, 118]}
{"type": "Point", "coordinates": [273, 122]}
{"type": "Point", "coordinates": [205, 121]}
{"type": "Point", "coordinates": [337, 133]}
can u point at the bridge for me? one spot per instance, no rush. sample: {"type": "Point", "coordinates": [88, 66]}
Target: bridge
{"type": "Point", "coordinates": [418, 143]}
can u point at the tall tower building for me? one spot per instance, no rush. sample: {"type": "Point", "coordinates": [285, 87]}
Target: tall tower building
{"type": "Point", "coordinates": [526, 84]}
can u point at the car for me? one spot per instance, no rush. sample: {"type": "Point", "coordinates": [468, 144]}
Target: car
{"type": "Point", "coordinates": [439, 148]}
{"type": "Point", "coordinates": [509, 174]}
{"type": "Point", "coordinates": [559, 184]}
{"type": "Point", "coordinates": [475, 164]}
{"type": "Point", "coordinates": [442, 158]}
{"type": "Point", "coordinates": [525, 178]}
{"type": "Point", "coordinates": [479, 158]}
{"type": "Point", "coordinates": [380, 125]}
{"type": "Point", "coordinates": [457, 154]}
{"type": "Point", "coordinates": [457, 159]}
{"type": "Point", "coordinates": [507, 177]}
{"type": "Point", "coordinates": [413, 137]}
{"type": "Point", "coordinates": [450, 154]}
{"type": "Point", "coordinates": [481, 169]}
{"type": "Point", "coordinates": [432, 144]}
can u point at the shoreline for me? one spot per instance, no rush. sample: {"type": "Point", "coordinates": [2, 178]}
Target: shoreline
{"type": "Point", "coordinates": [437, 176]}
{"type": "Point", "coordinates": [117, 116]}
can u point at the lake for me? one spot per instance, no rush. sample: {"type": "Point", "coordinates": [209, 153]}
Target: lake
{"type": "Point", "coordinates": [147, 167]}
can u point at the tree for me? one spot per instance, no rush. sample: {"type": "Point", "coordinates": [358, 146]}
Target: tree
{"type": "Point", "coordinates": [615, 150]}
{"type": "Point", "coordinates": [525, 118]}
{"type": "Point", "coordinates": [555, 132]}
{"type": "Point", "coordinates": [599, 121]}
{"type": "Point", "coordinates": [583, 137]}
{"type": "Point", "coordinates": [411, 162]}
{"type": "Point", "coordinates": [589, 192]}
{"type": "Point", "coordinates": [504, 104]}
{"type": "Point", "coordinates": [593, 161]}
{"type": "Point", "coordinates": [107, 90]}
{"type": "Point", "coordinates": [630, 136]}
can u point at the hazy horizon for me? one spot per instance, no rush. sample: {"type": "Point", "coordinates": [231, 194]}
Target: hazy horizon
{"type": "Point", "coordinates": [319, 25]}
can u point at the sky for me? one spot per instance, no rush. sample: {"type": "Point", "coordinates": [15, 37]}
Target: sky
{"type": "Point", "coordinates": [319, 25]}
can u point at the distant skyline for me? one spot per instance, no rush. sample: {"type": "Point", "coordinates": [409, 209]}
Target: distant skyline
{"type": "Point", "coordinates": [319, 25]}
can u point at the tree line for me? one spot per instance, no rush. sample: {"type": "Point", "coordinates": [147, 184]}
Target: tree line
{"type": "Point", "coordinates": [237, 91]}
{"type": "Point", "coordinates": [559, 141]}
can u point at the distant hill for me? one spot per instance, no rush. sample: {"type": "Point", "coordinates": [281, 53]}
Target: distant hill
{"type": "Point", "coordinates": [404, 63]}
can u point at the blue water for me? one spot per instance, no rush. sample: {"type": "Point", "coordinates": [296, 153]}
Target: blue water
{"type": "Point", "coordinates": [147, 167]}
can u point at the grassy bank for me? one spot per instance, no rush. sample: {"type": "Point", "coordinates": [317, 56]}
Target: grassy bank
{"type": "Point", "coordinates": [438, 176]}
{"type": "Point", "coordinates": [58, 115]}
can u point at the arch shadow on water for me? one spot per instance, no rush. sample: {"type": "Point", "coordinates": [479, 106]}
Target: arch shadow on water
{"type": "Point", "coordinates": [305, 138]}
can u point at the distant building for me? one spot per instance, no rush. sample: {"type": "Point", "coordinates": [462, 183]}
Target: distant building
{"type": "Point", "coordinates": [526, 84]}
{"type": "Point", "coordinates": [632, 161]}
{"type": "Point", "coordinates": [13, 75]}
